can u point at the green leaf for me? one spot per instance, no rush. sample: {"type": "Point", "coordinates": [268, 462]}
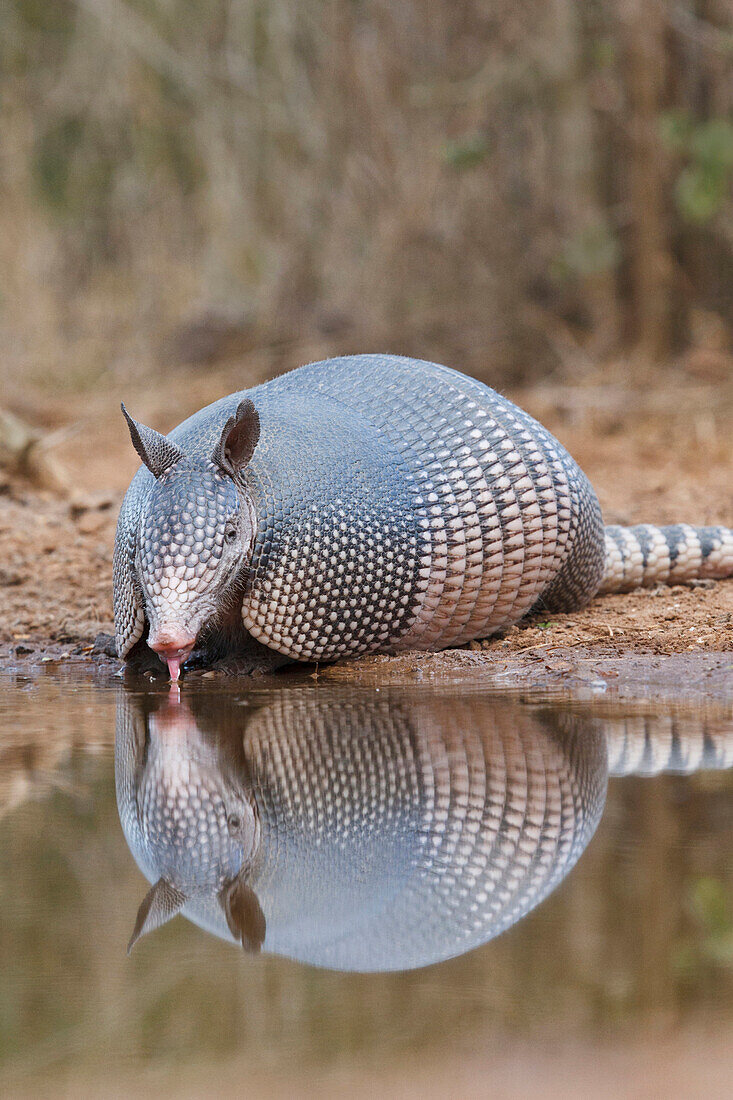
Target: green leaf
{"type": "Point", "coordinates": [466, 153]}
{"type": "Point", "coordinates": [603, 52]}
{"type": "Point", "coordinates": [675, 130]}
{"type": "Point", "coordinates": [712, 906]}
{"type": "Point", "coordinates": [591, 251]}
{"type": "Point", "coordinates": [53, 156]}
{"type": "Point", "coordinates": [700, 192]}
{"type": "Point", "coordinates": [712, 143]}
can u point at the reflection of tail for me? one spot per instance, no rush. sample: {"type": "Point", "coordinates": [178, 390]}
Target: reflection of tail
{"type": "Point", "coordinates": [647, 745]}
{"type": "Point", "coordinates": [638, 557]}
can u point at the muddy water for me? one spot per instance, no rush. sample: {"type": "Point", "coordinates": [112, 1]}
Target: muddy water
{"type": "Point", "coordinates": [434, 874]}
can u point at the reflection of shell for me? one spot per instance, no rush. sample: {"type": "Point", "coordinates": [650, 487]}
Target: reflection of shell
{"type": "Point", "coordinates": [433, 828]}
{"type": "Point", "coordinates": [394, 834]}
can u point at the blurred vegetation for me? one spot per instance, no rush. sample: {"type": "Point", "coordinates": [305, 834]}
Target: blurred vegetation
{"type": "Point", "coordinates": [513, 188]}
{"type": "Point", "coordinates": [710, 948]}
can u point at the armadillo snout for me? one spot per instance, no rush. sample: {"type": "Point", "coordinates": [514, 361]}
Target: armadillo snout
{"type": "Point", "coordinates": [173, 645]}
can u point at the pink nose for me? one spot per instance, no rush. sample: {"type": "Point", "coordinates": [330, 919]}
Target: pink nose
{"type": "Point", "coordinates": [173, 645]}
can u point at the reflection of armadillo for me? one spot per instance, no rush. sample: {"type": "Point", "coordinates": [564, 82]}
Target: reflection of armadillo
{"type": "Point", "coordinates": [368, 503]}
{"type": "Point", "coordinates": [372, 833]}
{"type": "Point", "coordinates": [647, 744]}
{"type": "Point", "coordinates": [369, 833]}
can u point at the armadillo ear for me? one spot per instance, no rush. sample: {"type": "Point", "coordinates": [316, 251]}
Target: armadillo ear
{"type": "Point", "coordinates": [239, 438]}
{"type": "Point", "coordinates": [243, 913]}
{"type": "Point", "coordinates": [157, 452]}
{"type": "Point", "coordinates": [160, 903]}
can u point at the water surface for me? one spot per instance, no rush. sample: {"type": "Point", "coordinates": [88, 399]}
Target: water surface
{"type": "Point", "coordinates": [386, 837]}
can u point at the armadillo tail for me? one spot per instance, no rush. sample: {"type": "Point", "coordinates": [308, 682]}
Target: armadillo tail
{"type": "Point", "coordinates": [639, 557]}
{"type": "Point", "coordinates": [684, 743]}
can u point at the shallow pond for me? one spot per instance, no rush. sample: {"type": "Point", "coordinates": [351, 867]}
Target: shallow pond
{"type": "Point", "coordinates": [399, 864]}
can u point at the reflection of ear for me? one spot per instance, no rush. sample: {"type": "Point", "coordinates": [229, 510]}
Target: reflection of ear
{"type": "Point", "coordinates": [160, 903]}
{"type": "Point", "coordinates": [243, 913]}
{"type": "Point", "coordinates": [239, 438]}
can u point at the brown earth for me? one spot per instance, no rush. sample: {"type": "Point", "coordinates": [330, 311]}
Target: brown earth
{"type": "Point", "coordinates": [658, 456]}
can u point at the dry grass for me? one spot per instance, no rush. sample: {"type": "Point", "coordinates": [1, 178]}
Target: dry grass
{"type": "Point", "coordinates": [454, 180]}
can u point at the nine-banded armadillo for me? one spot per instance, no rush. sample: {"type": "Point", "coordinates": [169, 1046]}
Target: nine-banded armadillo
{"type": "Point", "coordinates": [371, 832]}
{"type": "Point", "coordinates": [368, 503]}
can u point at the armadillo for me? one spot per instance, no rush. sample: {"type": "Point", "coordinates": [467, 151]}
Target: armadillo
{"type": "Point", "coordinates": [364, 831]}
{"type": "Point", "coordinates": [368, 503]}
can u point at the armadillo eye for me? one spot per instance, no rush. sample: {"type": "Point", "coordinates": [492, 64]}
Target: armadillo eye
{"type": "Point", "coordinates": [230, 532]}
{"type": "Point", "coordinates": [234, 823]}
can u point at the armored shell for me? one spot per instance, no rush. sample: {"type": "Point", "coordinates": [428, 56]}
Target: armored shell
{"type": "Point", "coordinates": [395, 504]}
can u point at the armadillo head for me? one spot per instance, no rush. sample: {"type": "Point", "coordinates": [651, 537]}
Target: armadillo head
{"type": "Point", "coordinates": [196, 533]}
{"type": "Point", "coordinates": [192, 828]}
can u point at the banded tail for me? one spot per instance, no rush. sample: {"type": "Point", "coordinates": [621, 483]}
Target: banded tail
{"type": "Point", "coordinates": [643, 556]}
{"type": "Point", "coordinates": [677, 743]}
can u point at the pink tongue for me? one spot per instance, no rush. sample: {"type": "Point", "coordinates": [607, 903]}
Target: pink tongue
{"type": "Point", "coordinates": [174, 667]}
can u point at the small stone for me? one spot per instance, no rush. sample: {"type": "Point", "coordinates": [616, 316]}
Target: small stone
{"type": "Point", "coordinates": [91, 502]}
{"type": "Point", "coordinates": [104, 645]}
{"type": "Point", "coordinates": [91, 522]}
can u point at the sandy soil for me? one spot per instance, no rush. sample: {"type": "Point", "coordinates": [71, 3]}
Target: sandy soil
{"type": "Point", "coordinates": [658, 456]}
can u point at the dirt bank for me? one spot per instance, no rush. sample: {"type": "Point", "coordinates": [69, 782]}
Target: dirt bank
{"type": "Point", "coordinates": [658, 457]}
